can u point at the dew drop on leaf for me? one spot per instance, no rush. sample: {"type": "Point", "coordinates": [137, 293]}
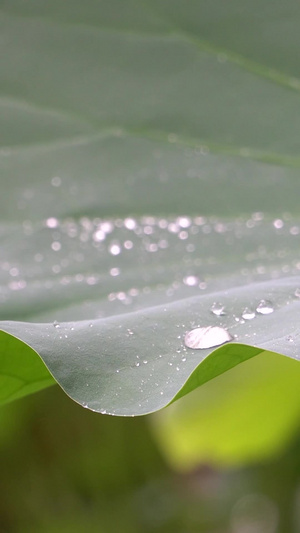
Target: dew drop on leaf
{"type": "Point", "coordinates": [248, 314]}
{"type": "Point", "coordinates": [265, 307]}
{"type": "Point", "coordinates": [297, 292]}
{"type": "Point", "coordinates": [115, 249]}
{"type": "Point", "coordinates": [201, 338]}
{"type": "Point", "coordinates": [191, 281]}
{"type": "Point", "coordinates": [218, 309]}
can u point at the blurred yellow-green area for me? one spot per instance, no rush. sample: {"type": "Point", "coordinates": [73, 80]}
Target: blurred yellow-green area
{"type": "Point", "coordinates": [65, 469]}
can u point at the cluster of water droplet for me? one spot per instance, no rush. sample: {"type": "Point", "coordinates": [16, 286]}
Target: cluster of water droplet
{"type": "Point", "coordinates": [130, 260]}
{"type": "Point", "coordinates": [211, 336]}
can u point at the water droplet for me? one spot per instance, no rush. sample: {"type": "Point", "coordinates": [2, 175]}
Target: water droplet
{"type": "Point", "coordinates": [297, 292]}
{"type": "Point", "coordinates": [191, 281]}
{"type": "Point", "coordinates": [218, 309]}
{"type": "Point", "coordinates": [248, 314]}
{"type": "Point", "coordinates": [56, 324]}
{"type": "Point", "coordinates": [56, 246]}
{"type": "Point", "coordinates": [265, 307]}
{"type": "Point", "coordinates": [130, 223]}
{"type": "Point", "coordinates": [99, 235]}
{"type": "Point", "coordinates": [114, 272]}
{"type": "Point", "coordinates": [115, 249]}
{"type": "Point", "coordinates": [52, 222]}
{"type": "Point", "coordinates": [294, 230]}
{"type": "Point", "coordinates": [128, 245]}
{"type": "Point", "coordinates": [200, 338]}
{"type": "Point", "coordinates": [184, 222]}
{"type": "Point", "coordinates": [17, 285]}
{"type": "Point", "coordinates": [278, 223]}
{"type": "Point", "coordinates": [183, 235]}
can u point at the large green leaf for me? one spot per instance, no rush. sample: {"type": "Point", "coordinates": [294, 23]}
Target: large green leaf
{"type": "Point", "coordinates": [149, 170]}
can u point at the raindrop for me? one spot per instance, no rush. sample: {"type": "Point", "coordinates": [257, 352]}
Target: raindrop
{"type": "Point", "coordinates": [218, 309]}
{"type": "Point", "coordinates": [17, 285]}
{"type": "Point", "coordinates": [191, 281]}
{"type": "Point", "coordinates": [294, 230]}
{"type": "Point", "coordinates": [130, 223]}
{"type": "Point", "coordinates": [114, 271]}
{"type": "Point", "coordinates": [52, 222]}
{"type": "Point", "coordinates": [115, 249]}
{"type": "Point", "coordinates": [184, 222]}
{"type": "Point", "coordinates": [201, 338]}
{"type": "Point", "coordinates": [91, 280]}
{"type": "Point", "coordinates": [265, 307]}
{"type": "Point", "coordinates": [128, 245]}
{"type": "Point", "coordinates": [56, 324]}
{"type": "Point", "coordinates": [248, 314]}
{"type": "Point", "coordinates": [99, 235]}
{"type": "Point", "coordinates": [297, 292]}
{"type": "Point", "coordinates": [107, 226]}
{"type": "Point", "coordinates": [56, 246]}
{"type": "Point", "coordinates": [183, 235]}
{"type": "Point", "coordinates": [278, 223]}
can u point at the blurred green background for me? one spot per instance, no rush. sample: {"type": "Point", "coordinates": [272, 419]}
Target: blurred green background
{"type": "Point", "coordinates": [65, 469]}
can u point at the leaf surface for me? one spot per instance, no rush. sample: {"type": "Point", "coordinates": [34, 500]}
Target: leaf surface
{"type": "Point", "coordinates": [149, 171]}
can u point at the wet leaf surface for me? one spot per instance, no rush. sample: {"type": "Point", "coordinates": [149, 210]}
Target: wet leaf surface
{"type": "Point", "coordinates": [150, 186]}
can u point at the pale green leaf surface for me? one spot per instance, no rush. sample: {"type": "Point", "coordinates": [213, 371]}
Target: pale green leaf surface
{"type": "Point", "coordinates": [169, 135]}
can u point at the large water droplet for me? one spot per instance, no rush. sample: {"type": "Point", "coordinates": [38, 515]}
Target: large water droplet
{"type": "Point", "coordinates": [218, 309]}
{"type": "Point", "coordinates": [200, 338]}
{"type": "Point", "coordinates": [265, 307]}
